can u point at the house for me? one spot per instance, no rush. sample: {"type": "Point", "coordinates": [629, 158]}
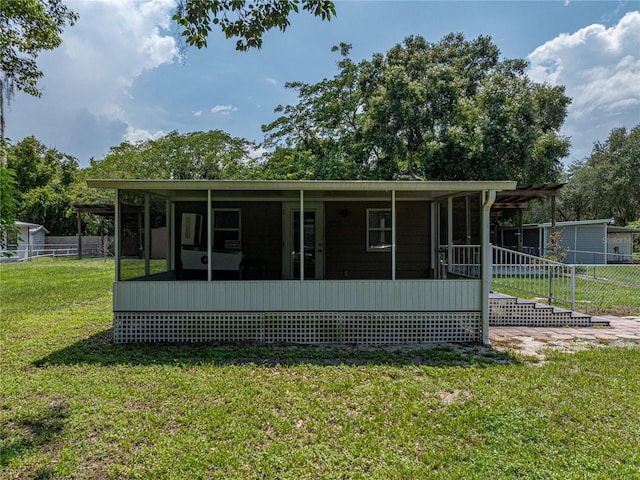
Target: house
{"type": "Point", "coordinates": [308, 262]}
{"type": "Point", "coordinates": [27, 242]}
{"type": "Point", "coordinates": [583, 242]}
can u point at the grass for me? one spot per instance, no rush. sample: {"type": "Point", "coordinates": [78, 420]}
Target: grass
{"type": "Point", "coordinates": [73, 405]}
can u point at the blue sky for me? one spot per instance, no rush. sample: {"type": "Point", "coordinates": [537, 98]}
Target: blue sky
{"type": "Point", "coordinates": [118, 75]}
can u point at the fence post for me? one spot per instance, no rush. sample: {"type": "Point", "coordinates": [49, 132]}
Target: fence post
{"type": "Point", "coordinates": [573, 287]}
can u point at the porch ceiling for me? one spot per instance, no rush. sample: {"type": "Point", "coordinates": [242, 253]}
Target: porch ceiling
{"type": "Point", "coordinates": [289, 189]}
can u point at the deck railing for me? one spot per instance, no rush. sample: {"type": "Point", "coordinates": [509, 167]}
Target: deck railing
{"type": "Point", "coordinates": [460, 260]}
{"type": "Point", "coordinates": [516, 273]}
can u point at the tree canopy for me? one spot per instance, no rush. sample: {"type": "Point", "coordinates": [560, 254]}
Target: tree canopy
{"type": "Point", "coordinates": [43, 185]}
{"type": "Point", "coordinates": [190, 156]}
{"type": "Point", "coordinates": [245, 20]}
{"type": "Point", "coordinates": [450, 110]}
{"type": "Point", "coordinates": [607, 183]}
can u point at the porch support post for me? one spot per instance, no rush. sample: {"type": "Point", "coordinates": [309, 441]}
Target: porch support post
{"type": "Point", "coordinates": [169, 238]}
{"type": "Point", "coordinates": [520, 231]}
{"type": "Point", "coordinates": [301, 235]}
{"type": "Point", "coordinates": [147, 236]}
{"type": "Point", "coordinates": [487, 260]}
{"type": "Point", "coordinates": [172, 235]}
{"type": "Point", "coordinates": [79, 225]}
{"type": "Point", "coordinates": [393, 234]}
{"type": "Point", "coordinates": [449, 233]}
{"type": "Point", "coordinates": [117, 228]}
{"type": "Point", "coordinates": [209, 237]}
{"type": "Point", "coordinates": [435, 239]}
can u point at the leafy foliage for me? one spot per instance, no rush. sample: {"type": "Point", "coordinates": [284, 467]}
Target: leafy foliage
{"type": "Point", "coordinates": [42, 187]}
{"type": "Point", "coordinates": [606, 183]}
{"type": "Point", "coordinates": [245, 20]}
{"type": "Point", "coordinates": [190, 156]}
{"type": "Point", "coordinates": [450, 110]}
{"type": "Point", "coordinates": [8, 207]}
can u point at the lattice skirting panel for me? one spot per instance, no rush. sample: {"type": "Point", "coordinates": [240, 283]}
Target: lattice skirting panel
{"type": "Point", "coordinates": [512, 313]}
{"type": "Point", "coordinates": [366, 328]}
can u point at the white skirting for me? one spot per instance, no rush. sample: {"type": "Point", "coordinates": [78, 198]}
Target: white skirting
{"type": "Point", "coordinates": [362, 328]}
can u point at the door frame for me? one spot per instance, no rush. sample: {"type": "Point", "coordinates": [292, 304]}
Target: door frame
{"type": "Point", "coordinates": [288, 210]}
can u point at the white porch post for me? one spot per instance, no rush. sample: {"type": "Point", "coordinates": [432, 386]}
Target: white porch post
{"type": "Point", "coordinates": [435, 237]}
{"type": "Point", "coordinates": [172, 235]}
{"type": "Point", "coordinates": [393, 234]}
{"type": "Point", "coordinates": [169, 226]}
{"type": "Point", "coordinates": [209, 237]}
{"type": "Point", "coordinates": [301, 235]}
{"type": "Point", "coordinates": [449, 233]}
{"type": "Point", "coordinates": [147, 236]}
{"type": "Point", "coordinates": [117, 229]}
{"type": "Point", "coordinates": [487, 260]}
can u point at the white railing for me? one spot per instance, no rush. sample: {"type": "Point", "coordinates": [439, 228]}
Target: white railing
{"type": "Point", "coordinates": [515, 272]}
{"type": "Point", "coordinates": [460, 260]}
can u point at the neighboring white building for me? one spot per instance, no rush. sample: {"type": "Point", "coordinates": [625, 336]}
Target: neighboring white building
{"type": "Point", "coordinates": [26, 243]}
{"type": "Point", "coordinates": [584, 242]}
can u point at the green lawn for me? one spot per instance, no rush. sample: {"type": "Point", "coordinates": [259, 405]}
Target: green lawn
{"type": "Point", "coordinates": [72, 405]}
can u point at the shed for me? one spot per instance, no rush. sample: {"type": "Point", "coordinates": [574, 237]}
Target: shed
{"type": "Point", "coordinates": [584, 242]}
{"type": "Point", "coordinates": [29, 241]}
{"type": "Point", "coordinates": [311, 262]}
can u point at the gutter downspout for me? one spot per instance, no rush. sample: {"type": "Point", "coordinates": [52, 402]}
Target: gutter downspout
{"type": "Point", "coordinates": [487, 261]}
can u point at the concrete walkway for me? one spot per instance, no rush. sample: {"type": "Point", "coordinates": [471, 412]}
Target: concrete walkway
{"type": "Point", "coordinates": [531, 342]}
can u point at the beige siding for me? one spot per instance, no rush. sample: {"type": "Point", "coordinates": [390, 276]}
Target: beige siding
{"type": "Point", "coordinates": [312, 295]}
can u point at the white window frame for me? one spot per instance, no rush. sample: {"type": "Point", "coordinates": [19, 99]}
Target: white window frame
{"type": "Point", "coordinates": [386, 247]}
{"type": "Point", "coordinates": [239, 229]}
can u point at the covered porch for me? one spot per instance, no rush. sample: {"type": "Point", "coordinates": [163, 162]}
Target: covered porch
{"type": "Point", "coordinates": [373, 263]}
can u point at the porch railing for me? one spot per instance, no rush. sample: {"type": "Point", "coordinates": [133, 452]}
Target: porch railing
{"type": "Point", "coordinates": [516, 273]}
{"type": "Point", "coordinates": [460, 260]}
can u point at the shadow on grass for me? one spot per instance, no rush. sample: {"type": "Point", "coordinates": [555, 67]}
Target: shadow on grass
{"type": "Point", "coordinates": [99, 349]}
{"type": "Point", "coordinates": [35, 431]}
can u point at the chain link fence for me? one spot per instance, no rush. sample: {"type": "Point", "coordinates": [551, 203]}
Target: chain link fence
{"type": "Point", "coordinates": [608, 289]}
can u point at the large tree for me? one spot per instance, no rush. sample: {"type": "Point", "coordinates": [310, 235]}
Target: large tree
{"type": "Point", "coordinates": [190, 156]}
{"type": "Point", "coordinates": [607, 183]}
{"type": "Point", "coordinates": [43, 185]}
{"type": "Point", "coordinates": [448, 110]}
{"type": "Point", "coordinates": [245, 20]}
{"type": "Point", "coordinates": [27, 27]}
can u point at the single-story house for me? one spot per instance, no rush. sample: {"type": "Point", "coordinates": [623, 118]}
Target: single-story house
{"type": "Point", "coordinates": [28, 241]}
{"type": "Point", "coordinates": [310, 262]}
{"type": "Point", "coordinates": [583, 242]}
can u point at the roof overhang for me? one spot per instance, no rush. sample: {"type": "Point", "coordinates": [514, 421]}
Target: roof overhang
{"type": "Point", "coordinates": [520, 196]}
{"type": "Point", "coordinates": [290, 189]}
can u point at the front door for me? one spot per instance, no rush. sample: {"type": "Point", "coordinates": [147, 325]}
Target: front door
{"type": "Point", "coordinates": [312, 253]}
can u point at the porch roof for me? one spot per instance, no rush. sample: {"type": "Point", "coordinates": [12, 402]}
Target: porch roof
{"type": "Point", "coordinates": [178, 189]}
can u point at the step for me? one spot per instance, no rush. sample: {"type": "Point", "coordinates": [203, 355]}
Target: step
{"type": "Point", "coordinates": [506, 310]}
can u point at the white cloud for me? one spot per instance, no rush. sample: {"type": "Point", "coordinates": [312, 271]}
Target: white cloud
{"type": "Point", "coordinates": [197, 113]}
{"type": "Point", "coordinates": [223, 109]}
{"type": "Point", "coordinates": [270, 80]}
{"type": "Point", "coordinates": [95, 69]}
{"type": "Point", "coordinates": [600, 68]}
{"type": "Point", "coordinates": [135, 135]}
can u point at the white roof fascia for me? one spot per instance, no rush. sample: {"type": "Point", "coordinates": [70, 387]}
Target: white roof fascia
{"type": "Point", "coordinates": [307, 185]}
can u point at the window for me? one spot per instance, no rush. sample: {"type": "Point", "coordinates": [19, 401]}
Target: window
{"type": "Point", "coordinates": [378, 229]}
{"type": "Point", "coordinates": [226, 229]}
